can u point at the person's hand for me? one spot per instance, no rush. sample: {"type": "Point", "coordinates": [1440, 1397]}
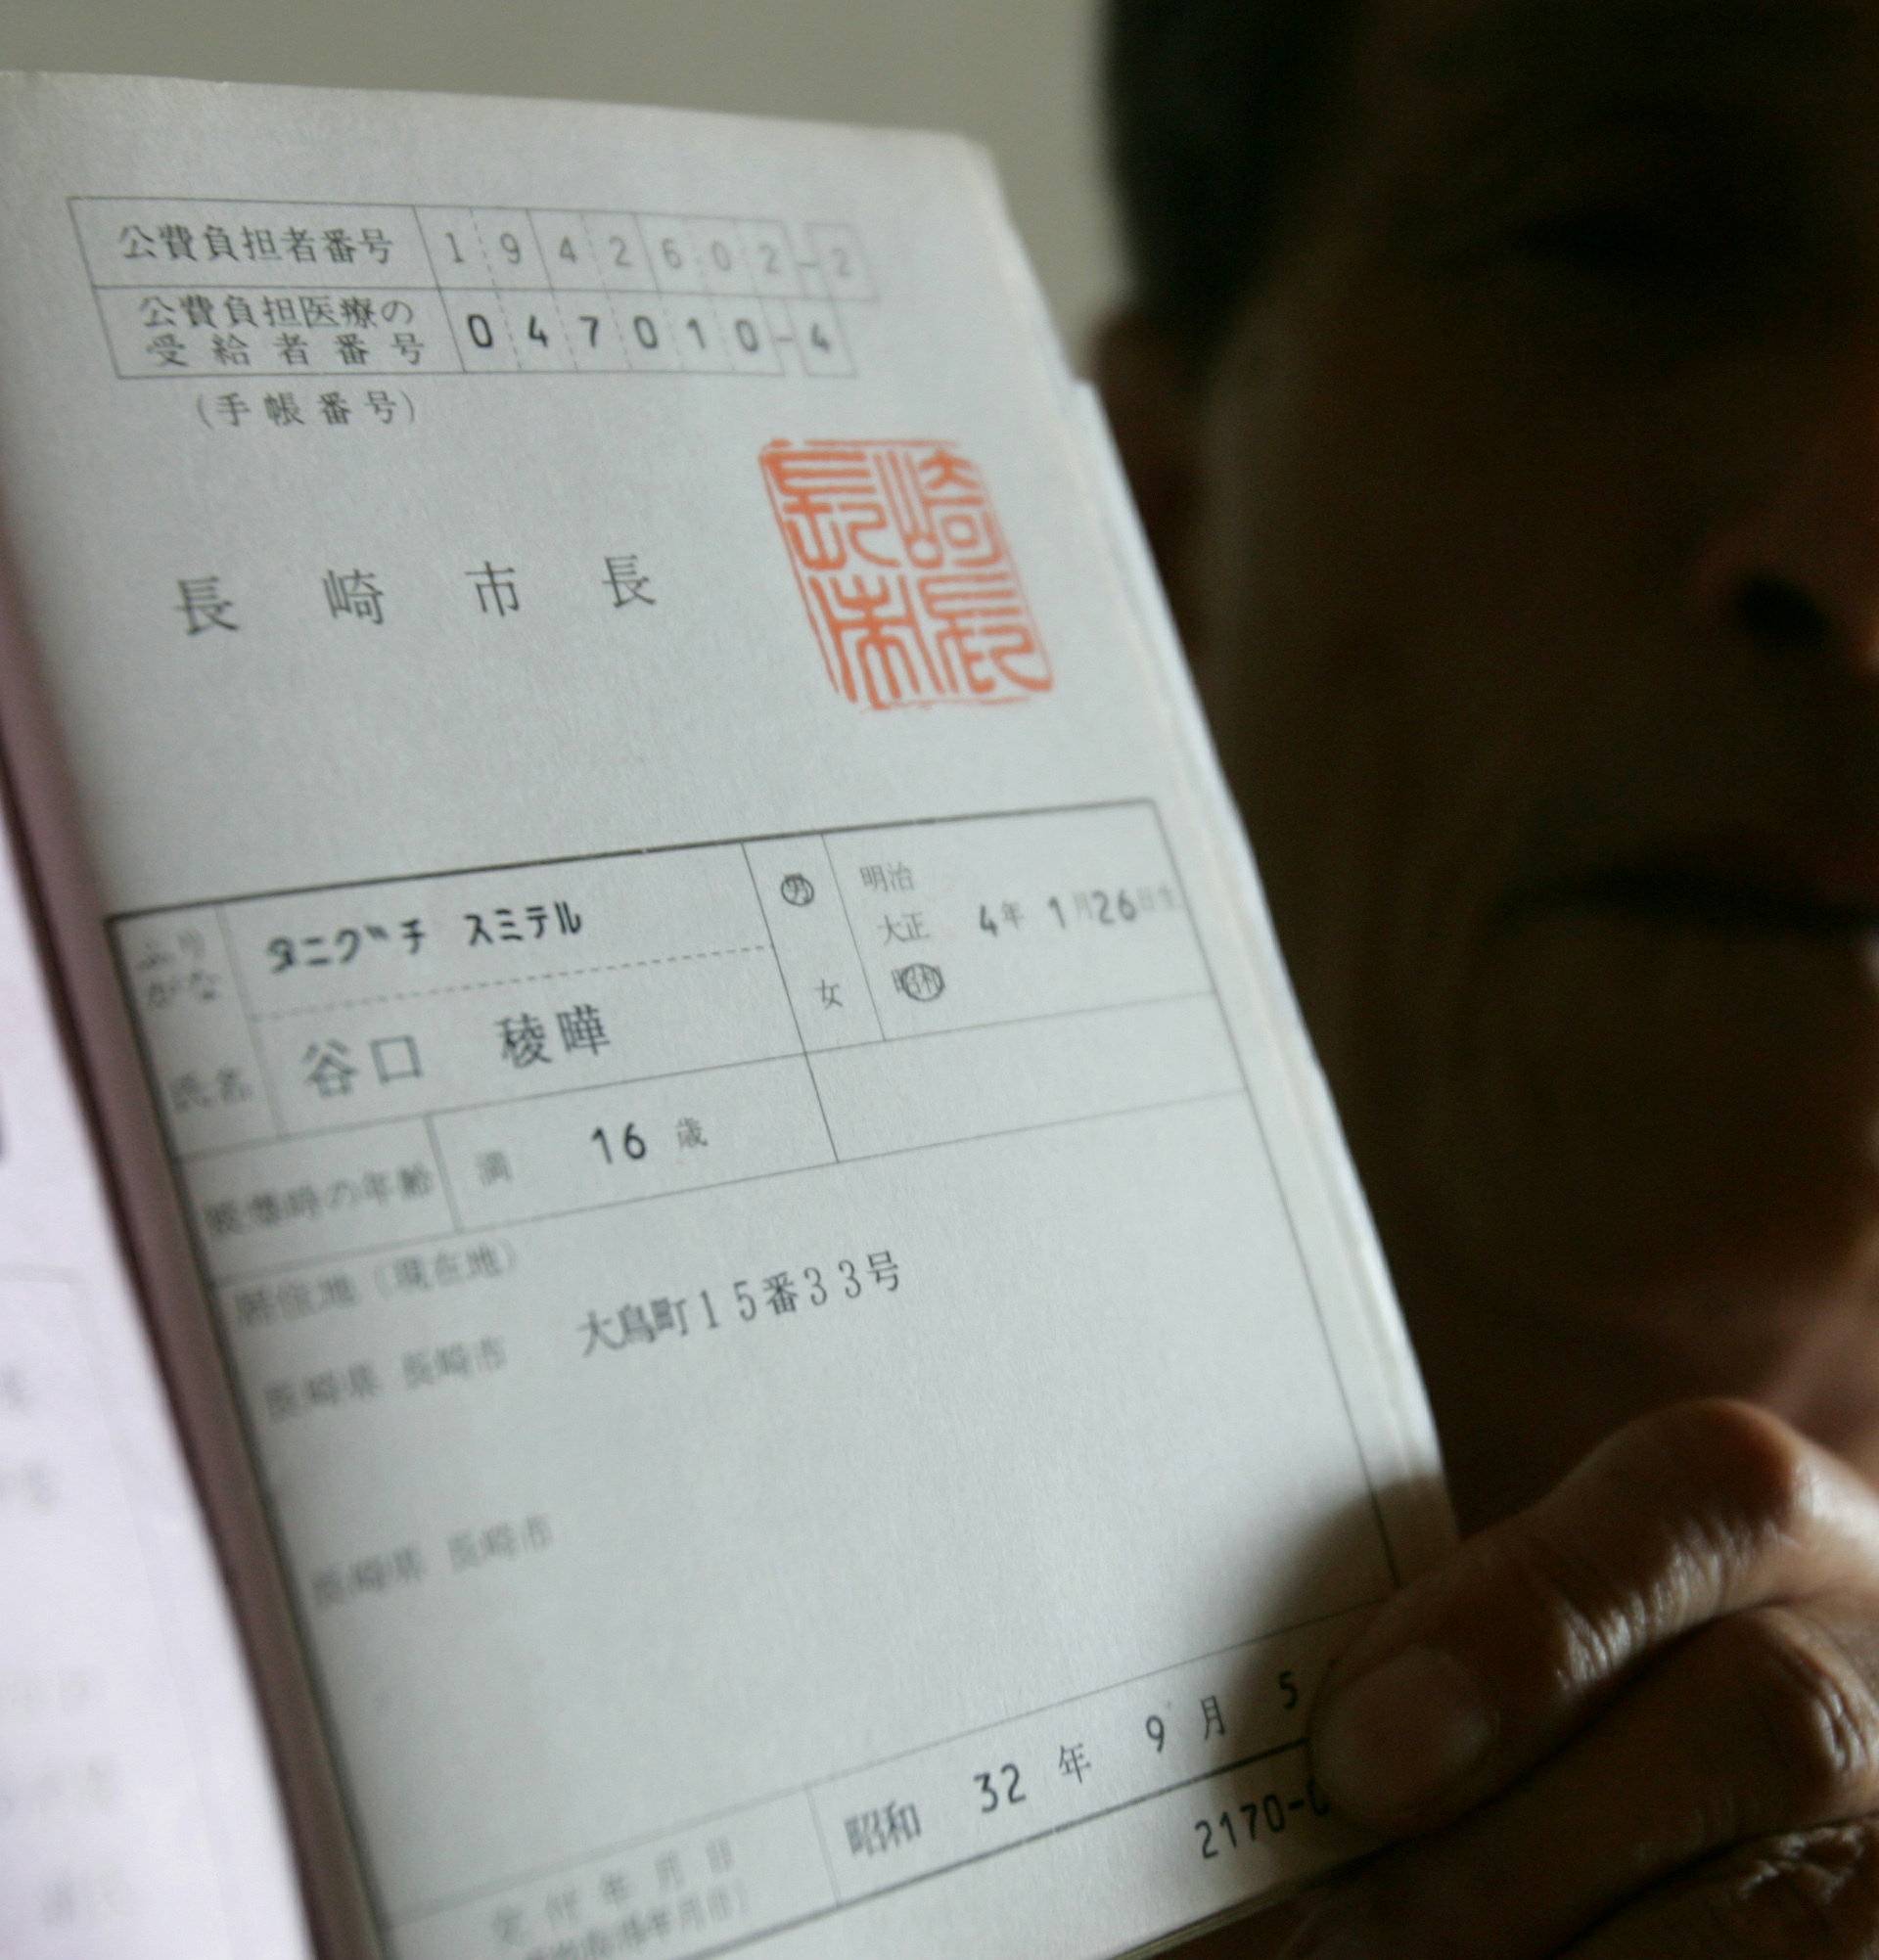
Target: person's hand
{"type": "Point", "coordinates": [1639, 1721]}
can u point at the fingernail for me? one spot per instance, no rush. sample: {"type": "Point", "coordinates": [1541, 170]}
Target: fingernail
{"type": "Point", "coordinates": [1400, 1736]}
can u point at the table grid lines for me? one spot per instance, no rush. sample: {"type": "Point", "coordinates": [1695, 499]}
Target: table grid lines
{"type": "Point", "coordinates": [1314, 1624]}
{"type": "Point", "coordinates": [338, 297]}
{"type": "Point", "coordinates": [992, 992]}
{"type": "Point", "coordinates": [687, 846]}
{"type": "Point", "coordinates": [466, 1111]}
{"type": "Point", "coordinates": [383, 1249]}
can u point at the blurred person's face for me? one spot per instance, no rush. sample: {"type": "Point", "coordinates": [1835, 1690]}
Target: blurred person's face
{"type": "Point", "coordinates": [1532, 576]}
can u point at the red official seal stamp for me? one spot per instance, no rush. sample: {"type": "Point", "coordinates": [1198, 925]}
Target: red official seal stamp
{"type": "Point", "coordinates": [906, 572]}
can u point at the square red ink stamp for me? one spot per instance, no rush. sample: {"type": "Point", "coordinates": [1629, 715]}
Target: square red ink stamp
{"type": "Point", "coordinates": [906, 572]}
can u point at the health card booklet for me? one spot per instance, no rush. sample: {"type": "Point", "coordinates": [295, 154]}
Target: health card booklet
{"type": "Point", "coordinates": [776, 1344]}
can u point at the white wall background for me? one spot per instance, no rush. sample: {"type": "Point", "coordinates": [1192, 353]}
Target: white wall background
{"type": "Point", "coordinates": [1018, 74]}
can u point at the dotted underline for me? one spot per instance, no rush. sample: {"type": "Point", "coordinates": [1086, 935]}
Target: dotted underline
{"type": "Point", "coordinates": [521, 980]}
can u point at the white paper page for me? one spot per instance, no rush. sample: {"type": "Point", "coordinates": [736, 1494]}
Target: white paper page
{"type": "Point", "coordinates": [1420, 1518]}
{"type": "Point", "coordinates": [137, 1808]}
{"type": "Point", "coordinates": [811, 1381]}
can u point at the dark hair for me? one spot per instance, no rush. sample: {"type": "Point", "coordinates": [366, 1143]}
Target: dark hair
{"type": "Point", "coordinates": [1219, 114]}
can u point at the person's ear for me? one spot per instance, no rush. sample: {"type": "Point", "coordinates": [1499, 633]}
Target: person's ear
{"type": "Point", "coordinates": [1149, 389]}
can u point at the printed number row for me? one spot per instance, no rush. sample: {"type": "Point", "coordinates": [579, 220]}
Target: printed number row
{"type": "Point", "coordinates": [635, 252]}
{"type": "Point", "coordinates": [521, 332]}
